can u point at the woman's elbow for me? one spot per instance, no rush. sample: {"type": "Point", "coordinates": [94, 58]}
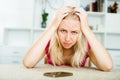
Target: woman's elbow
{"type": "Point", "coordinates": [108, 67]}
{"type": "Point", "coordinates": [27, 64]}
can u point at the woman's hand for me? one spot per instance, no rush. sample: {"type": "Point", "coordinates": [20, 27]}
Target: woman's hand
{"type": "Point", "coordinates": [61, 13]}
{"type": "Point", "coordinates": [83, 18]}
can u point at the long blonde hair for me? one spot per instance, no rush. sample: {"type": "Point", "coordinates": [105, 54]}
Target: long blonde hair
{"type": "Point", "coordinates": [80, 48]}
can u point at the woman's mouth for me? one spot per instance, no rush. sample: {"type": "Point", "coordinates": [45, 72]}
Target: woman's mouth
{"type": "Point", "coordinates": [67, 44]}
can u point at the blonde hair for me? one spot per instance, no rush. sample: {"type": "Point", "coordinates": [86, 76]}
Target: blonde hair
{"type": "Point", "coordinates": [80, 48]}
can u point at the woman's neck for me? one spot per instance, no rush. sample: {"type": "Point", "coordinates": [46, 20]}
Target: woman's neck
{"type": "Point", "coordinates": [68, 52]}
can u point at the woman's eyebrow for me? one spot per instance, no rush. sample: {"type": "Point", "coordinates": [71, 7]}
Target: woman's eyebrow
{"type": "Point", "coordinates": [63, 29]}
{"type": "Point", "coordinates": [76, 30]}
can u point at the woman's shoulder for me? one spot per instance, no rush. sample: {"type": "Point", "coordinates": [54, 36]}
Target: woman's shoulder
{"type": "Point", "coordinates": [88, 46]}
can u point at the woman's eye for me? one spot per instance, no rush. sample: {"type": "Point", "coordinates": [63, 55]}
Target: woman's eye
{"type": "Point", "coordinates": [74, 32]}
{"type": "Point", "coordinates": [63, 31]}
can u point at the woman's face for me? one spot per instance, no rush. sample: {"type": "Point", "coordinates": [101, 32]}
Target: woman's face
{"type": "Point", "coordinates": [68, 32]}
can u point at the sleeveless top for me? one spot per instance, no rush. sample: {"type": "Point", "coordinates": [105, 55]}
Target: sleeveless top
{"type": "Point", "coordinates": [49, 61]}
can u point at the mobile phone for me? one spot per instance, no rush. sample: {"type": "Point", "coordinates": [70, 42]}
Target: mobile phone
{"type": "Point", "coordinates": [58, 74]}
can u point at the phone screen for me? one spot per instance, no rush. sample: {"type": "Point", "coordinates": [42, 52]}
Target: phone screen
{"type": "Point", "coordinates": [58, 74]}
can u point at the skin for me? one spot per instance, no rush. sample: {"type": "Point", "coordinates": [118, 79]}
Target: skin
{"type": "Point", "coordinates": [68, 33]}
{"type": "Point", "coordinates": [68, 36]}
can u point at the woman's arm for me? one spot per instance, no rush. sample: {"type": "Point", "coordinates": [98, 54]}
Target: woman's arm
{"type": "Point", "coordinates": [98, 53]}
{"type": "Point", "coordinates": [37, 51]}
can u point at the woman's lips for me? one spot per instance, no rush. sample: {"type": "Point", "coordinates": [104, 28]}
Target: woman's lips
{"type": "Point", "coordinates": [67, 44]}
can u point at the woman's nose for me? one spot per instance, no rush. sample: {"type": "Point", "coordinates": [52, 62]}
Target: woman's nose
{"type": "Point", "coordinates": [68, 37]}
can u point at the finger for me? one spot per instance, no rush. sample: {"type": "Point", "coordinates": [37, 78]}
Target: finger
{"type": "Point", "coordinates": [83, 11]}
{"type": "Point", "coordinates": [80, 10]}
{"type": "Point", "coordinates": [77, 9]}
{"type": "Point", "coordinates": [64, 11]}
{"type": "Point", "coordinates": [79, 14]}
{"type": "Point", "coordinates": [64, 8]}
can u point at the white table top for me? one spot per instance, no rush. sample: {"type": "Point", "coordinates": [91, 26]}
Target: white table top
{"type": "Point", "coordinates": [19, 72]}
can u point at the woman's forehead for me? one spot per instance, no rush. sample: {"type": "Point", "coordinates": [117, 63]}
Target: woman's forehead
{"type": "Point", "coordinates": [70, 24]}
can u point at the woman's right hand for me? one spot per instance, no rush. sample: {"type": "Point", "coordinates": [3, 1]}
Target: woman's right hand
{"type": "Point", "coordinates": [60, 14]}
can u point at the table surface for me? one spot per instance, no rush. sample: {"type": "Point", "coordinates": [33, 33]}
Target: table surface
{"type": "Point", "coordinates": [19, 72]}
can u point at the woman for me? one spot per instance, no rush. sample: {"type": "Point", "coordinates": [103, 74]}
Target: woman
{"type": "Point", "coordinates": [69, 41]}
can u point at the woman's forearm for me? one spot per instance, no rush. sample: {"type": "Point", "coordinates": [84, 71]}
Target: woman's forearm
{"type": "Point", "coordinates": [36, 52]}
{"type": "Point", "coordinates": [100, 53]}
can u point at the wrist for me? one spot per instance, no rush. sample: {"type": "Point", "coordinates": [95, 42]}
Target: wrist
{"type": "Point", "coordinates": [86, 30]}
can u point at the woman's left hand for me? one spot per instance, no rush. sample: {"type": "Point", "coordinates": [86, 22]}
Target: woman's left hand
{"type": "Point", "coordinates": [83, 18]}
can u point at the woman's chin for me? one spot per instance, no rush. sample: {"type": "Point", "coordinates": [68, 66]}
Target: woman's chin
{"type": "Point", "coordinates": [66, 47]}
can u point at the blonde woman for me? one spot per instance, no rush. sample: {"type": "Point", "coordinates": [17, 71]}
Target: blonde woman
{"type": "Point", "coordinates": [69, 41]}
